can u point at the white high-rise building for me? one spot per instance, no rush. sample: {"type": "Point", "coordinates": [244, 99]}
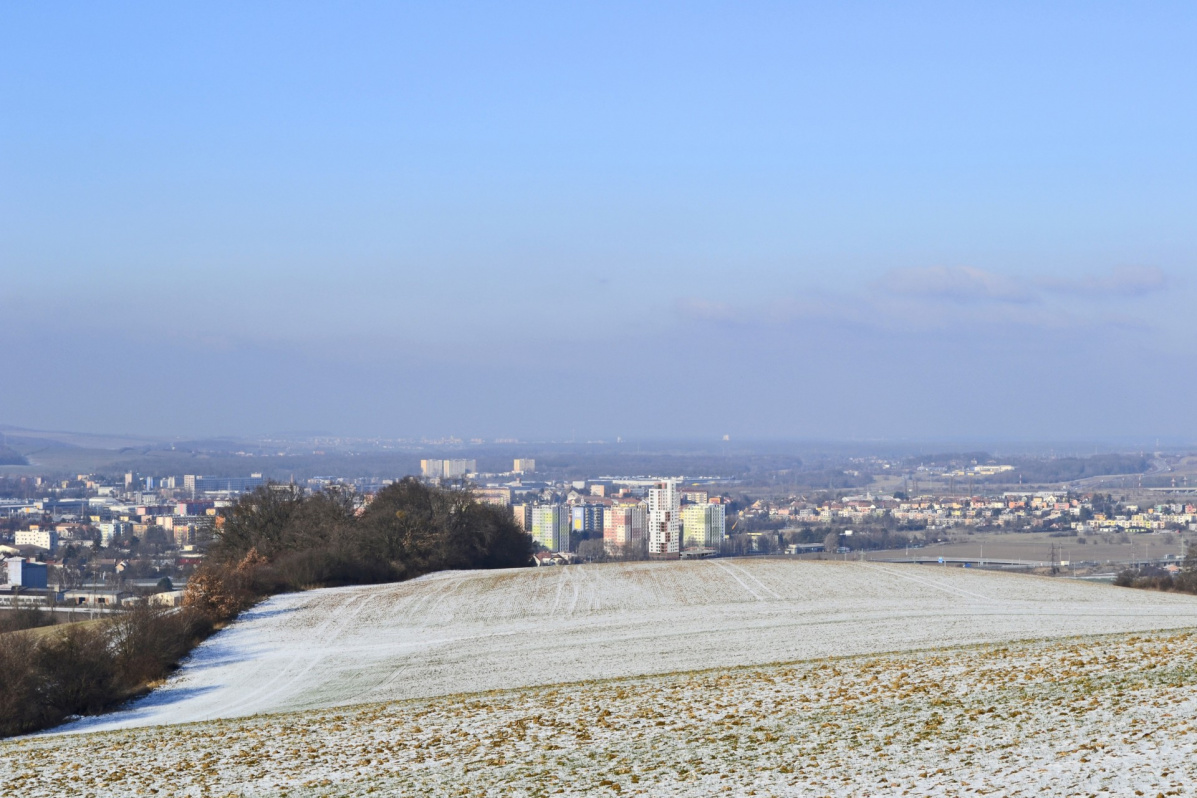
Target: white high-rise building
{"type": "Point", "coordinates": [459, 468]}
{"type": "Point", "coordinates": [703, 525]}
{"type": "Point", "coordinates": [664, 521]}
{"type": "Point", "coordinates": [447, 469]}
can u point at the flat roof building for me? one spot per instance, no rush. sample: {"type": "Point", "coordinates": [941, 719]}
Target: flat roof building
{"type": "Point", "coordinates": [39, 538]}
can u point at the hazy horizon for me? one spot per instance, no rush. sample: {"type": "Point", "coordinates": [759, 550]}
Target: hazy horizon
{"type": "Point", "coordinates": [669, 221]}
{"type": "Point", "coordinates": [23, 438]}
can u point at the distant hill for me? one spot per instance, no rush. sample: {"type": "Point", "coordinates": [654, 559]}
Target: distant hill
{"type": "Point", "coordinates": [1070, 469]}
{"type": "Point", "coordinates": [30, 438]}
{"type": "Point", "coordinates": [11, 457]}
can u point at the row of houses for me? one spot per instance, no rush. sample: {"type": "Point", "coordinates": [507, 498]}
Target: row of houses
{"type": "Point", "coordinates": [1011, 510]}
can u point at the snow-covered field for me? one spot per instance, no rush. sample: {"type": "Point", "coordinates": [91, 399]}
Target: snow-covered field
{"type": "Point", "coordinates": [1103, 716]}
{"type": "Point", "coordinates": [467, 632]}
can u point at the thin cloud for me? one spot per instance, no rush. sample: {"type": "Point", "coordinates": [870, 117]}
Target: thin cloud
{"type": "Point", "coordinates": [1124, 281]}
{"type": "Point", "coordinates": [949, 298]}
{"type": "Point", "coordinates": [709, 311]}
{"type": "Point", "coordinates": [955, 283]}
{"type": "Point", "coordinates": [779, 311]}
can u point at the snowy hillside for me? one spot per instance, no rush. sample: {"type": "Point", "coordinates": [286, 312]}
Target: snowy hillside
{"type": "Point", "coordinates": [483, 630]}
{"type": "Point", "coordinates": [1102, 716]}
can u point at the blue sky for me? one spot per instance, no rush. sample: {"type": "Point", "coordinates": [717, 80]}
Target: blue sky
{"type": "Point", "coordinates": [798, 220]}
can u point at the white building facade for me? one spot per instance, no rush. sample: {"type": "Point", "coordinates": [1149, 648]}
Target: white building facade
{"type": "Point", "coordinates": [447, 469]}
{"type": "Point", "coordinates": [41, 538]}
{"type": "Point", "coordinates": [664, 521]}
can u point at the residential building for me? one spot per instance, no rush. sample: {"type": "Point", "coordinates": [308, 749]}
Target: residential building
{"type": "Point", "coordinates": [664, 521]}
{"type": "Point", "coordinates": [41, 538]}
{"type": "Point", "coordinates": [522, 513]}
{"type": "Point", "coordinates": [447, 469]}
{"type": "Point", "coordinates": [459, 468]}
{"type": "Point", "coordinates": [703, 525]}
{"type": "Point", "coordinates": [193, 530]}
{"type": "Point", "coordinates": [623, 527]}
{"type": "Point", "coordinates": [112, 530]}
{"type": "Point", "coordinates": [500, 497]}
{"type": "Point", "coordinates": [550, 526]}
{"type": "Point", "coordinates": [524, 465]}
{"type": "Point", "coordinates": [586, 518]}
{"type": "Point", "coordinates": [194, 507]}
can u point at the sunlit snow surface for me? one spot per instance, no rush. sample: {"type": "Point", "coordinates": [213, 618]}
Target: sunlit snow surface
{"type": "Point", "coordinates": [463, 632]}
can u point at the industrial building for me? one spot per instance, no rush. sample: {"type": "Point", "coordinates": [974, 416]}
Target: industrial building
{"type": "Point", "coordinates": [27, 574]}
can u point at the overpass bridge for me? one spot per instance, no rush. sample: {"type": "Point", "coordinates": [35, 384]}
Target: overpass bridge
{"type": "Point", "coordinates": [969, 561]}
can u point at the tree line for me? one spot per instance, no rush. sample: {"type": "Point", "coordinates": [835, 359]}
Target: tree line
{"type": "Point", "coordinates": [1152, 577]}
{"type": "Point", "coordinates": [49, 674]}
{"type": "Point", "coordinates": [278, 540]}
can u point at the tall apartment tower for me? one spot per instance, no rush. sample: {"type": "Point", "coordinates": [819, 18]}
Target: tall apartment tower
{"type": "Point", "coordinates": [623, 528]}
{"type": "Point", "coordinates": [522, 513]}
{"type": "Point", "coordinates": [703, 525]}
{"type": "Point", "coordinates": [664, 521]}
{"type": "Point", "coordinates": [550, 526]}
{"type": "Point", "coordinates": [447, 469]}
{"type": "Point", "coordinates": [454, 469]}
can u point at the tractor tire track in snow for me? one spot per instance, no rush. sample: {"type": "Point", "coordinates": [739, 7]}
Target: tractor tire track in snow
{"type": "Point", "coordinates": [309, 658]}
{"type": "Point", "coordinates": [929, 583]}
{"type": "Point", "coordinates": [728, 570]}
{"type": "Point", "coordinates": [753, 577]}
